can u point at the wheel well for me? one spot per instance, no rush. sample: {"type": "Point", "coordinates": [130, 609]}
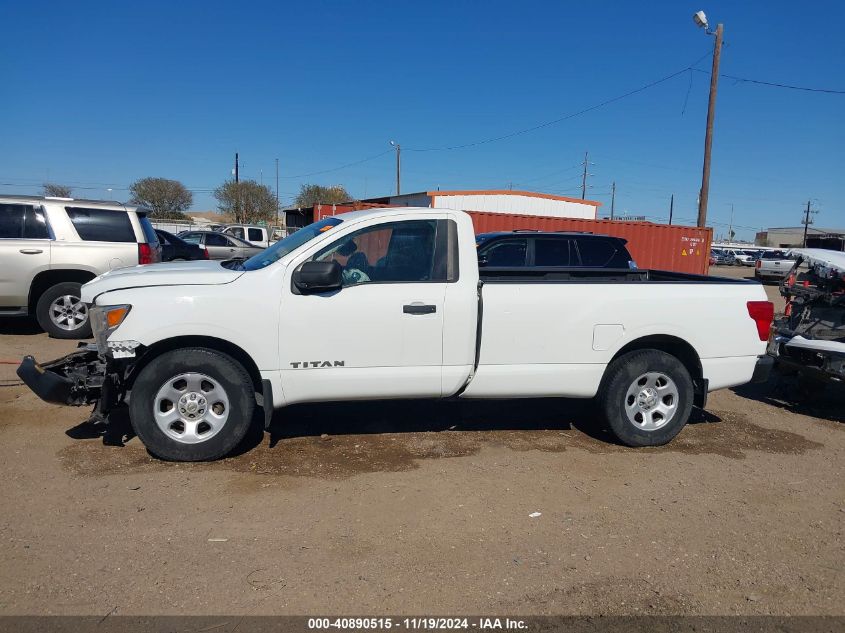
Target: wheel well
{"type": "Point", "coordinates": [209, 342]}
{"type": "Point", "coordinates": [48, 278]}
{"type": "Point", "coordinates": [673, 345]}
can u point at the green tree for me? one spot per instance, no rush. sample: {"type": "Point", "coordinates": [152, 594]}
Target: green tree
{"type": "Point", "coordinates": [309, 195]}
{"type": "Point", "coordinates": [167, 199]}
{"type": "Point", "coordinates": [246, 201]}
{"type": "Point", "coordinates": [57, 191]}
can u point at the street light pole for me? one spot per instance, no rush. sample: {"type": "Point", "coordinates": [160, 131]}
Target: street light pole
{"type": "Point", "coordinates": [398, 168]}
{"type": "Point", "coordinates": [708, 136]}
{"type": "Point", "coordinates": [398, 165]}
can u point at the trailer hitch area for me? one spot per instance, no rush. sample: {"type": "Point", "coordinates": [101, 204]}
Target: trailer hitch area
{"type": "Point", "coordinates": [76, 379]}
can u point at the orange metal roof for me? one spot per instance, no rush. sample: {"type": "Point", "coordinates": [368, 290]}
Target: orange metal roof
{"type": "Point", "coordinates": [515, 192]}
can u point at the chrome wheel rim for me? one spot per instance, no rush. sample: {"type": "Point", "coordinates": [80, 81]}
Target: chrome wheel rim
{"type": "Point", "coordinates": [68, 312]}
{"type": "Point", "coordinates": [651, 401]}
{"type": "Point", "coordinates": [191, 408]}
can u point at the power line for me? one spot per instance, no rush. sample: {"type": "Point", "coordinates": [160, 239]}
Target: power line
{"type": "Point", "coordinates": [328, 171]}
{"type": "Point", "coordinates": [554, 173]}
{"type": "Point", "coordinates": [559, 119]}
{"type": "Point", "coordinates": [773, 84]}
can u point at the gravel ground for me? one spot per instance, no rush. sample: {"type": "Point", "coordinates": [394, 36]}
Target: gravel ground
{"type": "Point", "coordinates": [425, 508]}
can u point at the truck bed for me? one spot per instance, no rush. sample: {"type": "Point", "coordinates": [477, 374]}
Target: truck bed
{"type": "Point", "coordinates": [523, 274]}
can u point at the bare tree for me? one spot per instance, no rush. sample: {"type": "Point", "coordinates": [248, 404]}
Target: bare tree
{"type": "Point", "coordinates": [246, 201]}
{"type": "Point", "coordinates": [309, 195]}
{"type": "Point", "coordinates": [166, 198]}
{"type": "Point", "coordinates": [57, 191]}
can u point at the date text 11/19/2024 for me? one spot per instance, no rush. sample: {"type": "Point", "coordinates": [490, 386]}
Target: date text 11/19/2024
{"type": "Point", "coordinates": [418, 623]}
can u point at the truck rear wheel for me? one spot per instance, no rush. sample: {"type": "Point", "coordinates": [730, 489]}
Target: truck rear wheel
{"type": "Point", "coordinates": [192, 404]}
{"type": "Point", "coordinates": [646, 397]}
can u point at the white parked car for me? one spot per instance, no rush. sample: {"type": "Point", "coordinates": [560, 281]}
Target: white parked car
{"type": "Point", "coordinates": [392, 304]}
{"type": "Point", "coordinates": [49, 247]}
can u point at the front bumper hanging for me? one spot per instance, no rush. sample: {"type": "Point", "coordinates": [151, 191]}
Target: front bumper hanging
{"type": "Point", "coordinates": [77, 379]}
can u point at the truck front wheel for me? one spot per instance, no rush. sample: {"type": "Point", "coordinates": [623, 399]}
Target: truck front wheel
{"type": "Point", "coordinates": [646, 397]}
{"type": "Point", "coordinates": [192, 404]}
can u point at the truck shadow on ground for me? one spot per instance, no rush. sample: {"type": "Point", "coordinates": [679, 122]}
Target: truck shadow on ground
{"type": "Point", "coordinates": [337, 440]}
{"type": "Point", "coordinates": [785, 393]}
{"type": "Point", "coordinates": [388, 416]}
{"type": "Point", "coordinates": [419, 416]}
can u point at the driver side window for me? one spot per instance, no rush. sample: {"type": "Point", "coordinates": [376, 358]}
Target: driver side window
{"type": "Point", "coordinates": [394, 252]}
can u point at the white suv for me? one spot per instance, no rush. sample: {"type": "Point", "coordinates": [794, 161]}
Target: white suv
{"type": "Point", "coordinates": [49, 247]}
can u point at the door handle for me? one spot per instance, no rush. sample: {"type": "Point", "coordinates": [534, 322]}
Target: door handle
{"type": "Point", "coordinates": [30, 251]}
{"type": "Point", "coordinates": [419, 308]}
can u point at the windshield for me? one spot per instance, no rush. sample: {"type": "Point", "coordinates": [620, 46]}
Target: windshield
{"type": "Point", "coordinates": [289, 244]}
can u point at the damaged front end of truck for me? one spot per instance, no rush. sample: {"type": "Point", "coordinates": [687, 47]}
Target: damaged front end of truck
{"type": "Point", "coordinates": [95, 373]}
{"type": "Point", "coordinates": [810, 337]}
{"type": "Point", "coordinates": [83, 377]}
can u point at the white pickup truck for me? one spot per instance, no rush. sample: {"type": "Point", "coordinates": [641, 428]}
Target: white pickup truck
{"type": "Point", "coordinates": [392, 304]}
{"type": "Point", "coordinates": [255, 235]}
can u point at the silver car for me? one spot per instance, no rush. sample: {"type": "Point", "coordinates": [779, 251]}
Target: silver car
{"type": "Point", "coordinates": [221, 246]}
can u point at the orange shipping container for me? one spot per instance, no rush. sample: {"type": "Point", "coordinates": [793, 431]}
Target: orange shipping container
{"type": "Point", "coordinates": [684, 249]}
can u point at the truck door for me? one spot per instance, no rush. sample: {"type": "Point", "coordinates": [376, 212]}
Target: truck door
{"type": "Point", "coordinates": [220, 247]}
{"type": "Point", "coordinates": [381, 335]}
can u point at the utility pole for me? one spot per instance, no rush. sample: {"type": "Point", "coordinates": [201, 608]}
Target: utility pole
{"type": "Point", "coordinates": [807, 222]}
{"type": "Point", "coordinates": [584, 179]}
{"type": "Point", "coordinates": [237, 190]}
{"type": "Point", "coordinates": [612, 199]}
{"type": "Point", "coordinates": [671, 208]}
{"type": "Point", "coordinates": [731, 225]}
{"type": "Point", "coordinates": [398, 169]}
{"type": "Point", "coordinates": [708, 136]}
{"type": "Point", "coordinates": [398, 165]}
{"type": "Point", "coordinates": [277, 193]}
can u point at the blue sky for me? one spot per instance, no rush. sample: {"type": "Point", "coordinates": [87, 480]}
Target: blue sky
{"type": "Point", "coordinates": [100, 94]}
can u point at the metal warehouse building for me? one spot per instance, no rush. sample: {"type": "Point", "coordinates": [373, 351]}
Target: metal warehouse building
{"type": "Point", "coordinates": [507, 201]}
{"type": "Point", "coordinates": [498, 201]}
{"type": "Point", "coordinates": [786, 236]}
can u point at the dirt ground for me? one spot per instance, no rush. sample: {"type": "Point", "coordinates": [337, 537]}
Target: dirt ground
{"type": "Point", "coordinates": [425, 508]}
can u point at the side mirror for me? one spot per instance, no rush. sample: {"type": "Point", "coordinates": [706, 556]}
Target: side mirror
{"type": "Point", "coordinates": [314, 277]}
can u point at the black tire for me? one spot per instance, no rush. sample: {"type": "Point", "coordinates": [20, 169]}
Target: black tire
{"type": "Point", "coordinates": [225, 371]}
{"type": "Point", "coordinates": [620, 377]}
{"type": "Point", "coordinates": [43, 310]}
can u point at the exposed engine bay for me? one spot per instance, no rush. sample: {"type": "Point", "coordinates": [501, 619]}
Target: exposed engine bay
{"type": "Point", "coordinates": [810, 337]}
